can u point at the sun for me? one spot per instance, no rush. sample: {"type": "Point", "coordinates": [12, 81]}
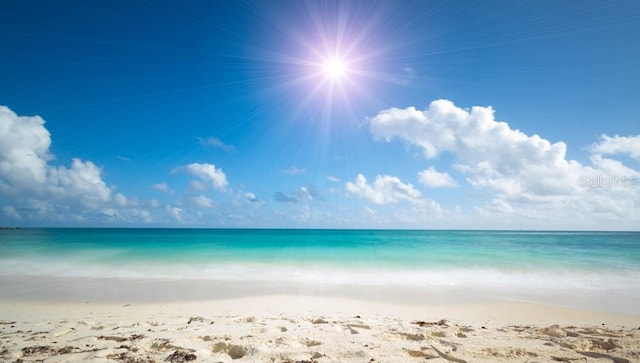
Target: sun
{"type": "Point", "coordinates": [335, 68]}
{"type": "Point", "coordinates": [328, 59]}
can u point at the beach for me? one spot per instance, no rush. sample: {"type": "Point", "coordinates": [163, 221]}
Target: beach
{"type": "Point", "coordinates": [315, 181]}
{"type": "Point", "coordinates": [298, 328]}
{"type": "Point", "coordinates": [318, 296]}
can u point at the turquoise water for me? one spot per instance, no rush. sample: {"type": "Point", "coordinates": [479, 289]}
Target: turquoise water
{"type": "Point", "coordinates": [553, 260]}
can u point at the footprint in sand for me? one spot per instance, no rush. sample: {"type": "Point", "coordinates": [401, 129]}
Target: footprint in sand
{"type": "Point", "coordinates": [311, 343]}
{"type": "Point", "coordinates": [232, 350]}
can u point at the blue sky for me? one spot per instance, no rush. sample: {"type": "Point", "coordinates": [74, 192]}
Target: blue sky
{"type": "Point", "coordinates": [359, 114]}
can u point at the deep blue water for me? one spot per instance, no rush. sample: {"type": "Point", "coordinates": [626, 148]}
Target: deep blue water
{"type": "Point", "coordinates": [586, 260]}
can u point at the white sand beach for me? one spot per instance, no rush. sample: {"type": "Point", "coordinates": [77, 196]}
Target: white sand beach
{"type": "Point", "coordinates": [299, 328]}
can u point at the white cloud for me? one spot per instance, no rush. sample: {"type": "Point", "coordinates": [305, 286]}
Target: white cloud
{"type": "Point", "coordinates": [629, 145]}
{"type": "Point", "coordinates": [205, 172]}
{"type": "Point", "coordinates": [163, 187]}
{"type": "Point", "coordinates": [388, 191]}
{"type": "Point", "coordinates": [36, 190]}
{"type": "Point", "coordinates": [120, 200]}
{"type": "Point", "coordinates": [521, 175]}
{"type": "Point", "coordinates": [82, 181]}
{"type": "Point", "coordinates": [127, 215]}
{"type": "Point", "coordinates": [176, 212]}
{"type": "Point", "coordinates": [197, 186]}
{"type": "Point", "coordinates": [611, 167]}
{"type": "Point", "coordinates": [492, 154]}
{"type": "Point", "coordinates": [138, 214]}
{"type": "Point", "coordinates": [385, 189]}
{"type": "Point", "coordinates": [435, 179]}
{"type": "Point", "coordinates": [24, 150]}
{"type": "Point", "coordinates": [304, 194]}
{"type": "Point", "coordinates": [202, 202]}
{"type": "Point", "coordinates": [333, 179]}
{"type": "Point", "coordinates": [250, 197]}
{"type": "Point", "coordinates": [243, 199]}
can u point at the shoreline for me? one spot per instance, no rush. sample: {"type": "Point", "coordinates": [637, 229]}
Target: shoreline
{"type": "Point", "coordinates": [145, 291]}
{"type": "Point", "coordinates": [496, 312]}
{"type": "Point", "coordinates": [63, 319]}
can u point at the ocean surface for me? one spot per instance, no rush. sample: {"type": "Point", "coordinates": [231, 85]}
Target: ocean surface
{"type": "Point", "coordinates": [584, 260]}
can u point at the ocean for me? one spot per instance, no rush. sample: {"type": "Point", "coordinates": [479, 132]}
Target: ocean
{"type": "Point", "coordinates": [604, 263]}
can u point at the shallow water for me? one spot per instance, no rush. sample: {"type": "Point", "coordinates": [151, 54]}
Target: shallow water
{"type": "Point", "coordinates": [585, 260]}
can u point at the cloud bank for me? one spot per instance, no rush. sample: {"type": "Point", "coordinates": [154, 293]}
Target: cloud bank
{"type": "Point", "coordinates": [498, 177]}
{"type": "Point", "coordinates": [35, 188]}
{"type": "Point", "coordinates": [526, 175]}
{"type": "Point", "coordinates": [35, 191]}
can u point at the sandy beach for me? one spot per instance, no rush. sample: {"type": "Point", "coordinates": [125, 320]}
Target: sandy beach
{"type": "Point", "coordinates": [392, 297]}
{"type": "Point", "coordinates": [299, 328]}
{"type": "Point", "coordinates": [316, 181]}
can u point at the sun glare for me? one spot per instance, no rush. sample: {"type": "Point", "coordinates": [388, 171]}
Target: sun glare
{"type": "Point", "coordinates": [331, 58]}
{"type": "Point", "coordinates": [335, 68]}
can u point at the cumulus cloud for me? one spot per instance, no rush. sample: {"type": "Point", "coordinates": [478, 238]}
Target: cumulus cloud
{"type": "Point", "coordinates": [83, 180]}
{"type": "Point", "coordinates": [524, 174]}
{"type": "Point", "coordinates": [32, 188]}
{"type": "Point", "coordinates": [207, 173]}
{"type": "Point", "coordinates": [24, 150]}
{"type": "Point", "coordinates": [385, 189]}
{"type": "Point", "coordinates": [435, 179]}
{"type": "Point", "coordinates": [629, 145]}
{"type": "Point", "coordinates": [491, 153]}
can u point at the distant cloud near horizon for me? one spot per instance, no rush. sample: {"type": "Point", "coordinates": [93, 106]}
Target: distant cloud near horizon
{"type": "Point", "coordinates": [202, 201]}
{"type": "Point", "coordinates": [524, 178]}
{"type": "Point", "coordinates": [385, 189]}
{"type": "Point", "coordinates": [304, 194]}
{"type": "Point", "coordinates": [207, 173]}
